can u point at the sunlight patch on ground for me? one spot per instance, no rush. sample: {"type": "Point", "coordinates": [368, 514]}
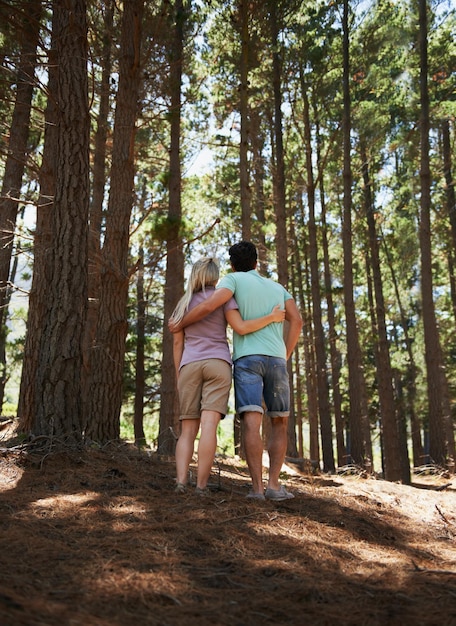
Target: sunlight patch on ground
{"type": "Point", "coordinates": [61, 502]}
{"type": "Point", "coordinates": [10, 477]}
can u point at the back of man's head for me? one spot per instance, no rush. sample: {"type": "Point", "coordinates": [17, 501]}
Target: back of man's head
{"type": "Point", "coordinates": [243, 256]}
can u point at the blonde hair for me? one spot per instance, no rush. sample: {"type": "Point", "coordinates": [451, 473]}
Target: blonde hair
{"type": "Point", "coordinates": [205, 273]}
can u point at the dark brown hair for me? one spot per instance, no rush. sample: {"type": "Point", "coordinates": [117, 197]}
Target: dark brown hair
{"type": "Point", "coordinates": [243, 256]}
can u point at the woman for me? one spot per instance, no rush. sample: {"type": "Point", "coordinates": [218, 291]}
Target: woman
{"type": "Point", "coordinates": [203, 368]}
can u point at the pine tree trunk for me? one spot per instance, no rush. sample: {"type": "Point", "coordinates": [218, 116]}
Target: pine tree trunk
{"type": "Point", "coordinates": [107, 359]}
{"type": "Point", "coordinates": [303, 280]}
{"type": "Point", "coordinates": [244, 114]}
{"type": "Point", "coordinates": [279, 169]}
{"type": "Point", "coordinates": [169, 406]}
{"type": "Point", "coordinates": [18, 136]}
{"type": "Point", "coordinates": [438, 442]}
{"type": "Point", "coordinates": [97, 199]}
{"type": "Point", "coordinates": [397, 465]}
{"type": "Point", "coordinates": [42, 246]}
{"type": "Point", "coordinates": [415, 430]}
{"type": "Point", "coordinates": [449, 181]}
{"type": "Point", "coordinates": [258, 163]}
{"type": "Point", "coordinates": [359, 427]}
{"type": "Point", "coordinates": [59, 391]}
{"type": "Point", "coordinates": [4, 377]}
{"type": "Point", "coordinates": [332, 333]}
{"type": "Point", "coordinates": [451, 252]}
{"type": "Point", "coordinates": [14, 165]}
{"type": "Point", "coordinates": [140, 378]}
{"type": "Point", "coordinates": [299, 403]}
{"type": "Point", "coordinates": [320, 349]}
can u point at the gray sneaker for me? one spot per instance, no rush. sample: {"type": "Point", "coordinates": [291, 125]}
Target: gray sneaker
{"type": "Point", "coordinates": [278, 494]}
{"type": "Point", "coordinates": [254, 496]}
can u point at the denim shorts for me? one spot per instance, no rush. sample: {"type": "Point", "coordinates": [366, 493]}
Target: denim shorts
{"type": "Point", "coordinates": [257, 378]}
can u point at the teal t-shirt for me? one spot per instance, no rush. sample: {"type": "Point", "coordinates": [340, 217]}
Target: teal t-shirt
{"type": "Point", "coordinates": [257, 296]}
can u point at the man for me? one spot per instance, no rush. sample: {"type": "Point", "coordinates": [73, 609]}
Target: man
{"type": "Point", "coordinates": [260, 368]}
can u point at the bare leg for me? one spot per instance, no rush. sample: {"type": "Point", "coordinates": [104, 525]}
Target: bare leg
{"type": "Point", "coordinates": [185, 447]}
{"type": "Point", "coordinates": [277, 449]}
{"type": "Point", "coordinates": [254, 448]}
{"type": "Point", "coordinates": [207, 446]}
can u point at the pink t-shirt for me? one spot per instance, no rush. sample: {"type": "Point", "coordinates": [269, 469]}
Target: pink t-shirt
{"type": "Point", "coordinates": [206, 339]}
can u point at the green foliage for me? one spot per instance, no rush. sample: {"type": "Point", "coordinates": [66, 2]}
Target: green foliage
{"type": "Point", "coordinates": [225, 437]}
{"type": "Point", "coordinates": [166, 227]}
{"type": "Point", "coordinates": [150, 429]}
{"type": "Point", "coordinates": [9, 409]}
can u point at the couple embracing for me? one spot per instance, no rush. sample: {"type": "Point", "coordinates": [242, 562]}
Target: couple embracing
{"type": "Point", "coordinates": [255, 307]}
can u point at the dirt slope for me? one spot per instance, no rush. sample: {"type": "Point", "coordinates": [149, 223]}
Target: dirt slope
{"type": "Point", "coordinates": [99, 538]}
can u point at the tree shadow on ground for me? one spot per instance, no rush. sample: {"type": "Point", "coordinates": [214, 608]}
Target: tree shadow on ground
{"type": "Point", "coordinates": [100, 538]}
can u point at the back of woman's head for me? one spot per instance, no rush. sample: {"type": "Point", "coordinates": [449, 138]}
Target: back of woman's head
{"type": "Point", "coordinates": [205, 273]}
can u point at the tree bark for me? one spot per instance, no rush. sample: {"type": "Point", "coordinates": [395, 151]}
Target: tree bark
{"type": "Point", "coordinates": [16, 155]}
{"type": "Point", "coordinates": [42, 247]}
{"type": "Point", "coordinates": [279, 169]}
{"type": "Point", "coordinates": [107, 360]}
{"type": "Point", "coordinates": [410, 382]}
{"type": "Point", "coordinates": [332, 333]}
{"type": "Point", "coordinates": [450, 195]}
{"type": "Point", "coordinates": [397, 465]}
{"type": "Point", "coordinates": [169, 406]}
{"type": "Point", "coordinates": [97, 199]}
{"type": "Point", "coordinates": [59, 390]}
{"type": "Point", "coordinates": [319, 337]}
{"type": "Point", "coordinates": [449, 181]}
{"type": "Point", "coordinates": [140, 376]}
{"type": "Point", "coordinates": [244, 173]}
{"type": "Point", "coordinates": [303, 280]}
{"type": "Point", "coordinates": [359, 426]}
{"type": "Point", "coordinates": [4, 377]}
{"type": "Point", "coordinates": [258, 165]}
{"type": "Point", "coordinates": [438, 440]}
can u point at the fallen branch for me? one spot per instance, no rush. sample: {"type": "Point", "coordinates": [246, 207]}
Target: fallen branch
{"type": "Point", "coordinates": [442, 515]}
{"type": "Point", "coordinates": [425, 570]}
{"type": "Point", "coordinates": [443, 487]}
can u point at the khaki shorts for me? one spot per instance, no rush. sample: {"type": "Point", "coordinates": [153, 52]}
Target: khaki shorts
{"type": "Point", "coordinates": [204, 386]}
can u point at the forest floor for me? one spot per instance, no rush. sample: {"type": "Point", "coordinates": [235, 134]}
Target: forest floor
{"type": "Point", "coordinates": [98, 537]}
